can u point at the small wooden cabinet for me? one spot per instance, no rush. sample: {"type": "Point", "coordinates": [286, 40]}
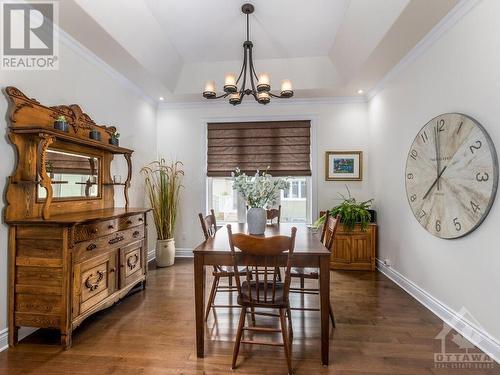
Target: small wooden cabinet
{"type": "Point", "coordinates": [354, 250]}
{"type": "Point", "coordinates": [71, 251]}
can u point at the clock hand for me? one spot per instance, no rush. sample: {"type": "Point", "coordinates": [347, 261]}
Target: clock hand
{"type": "Point", "coordinates": [436, 146]}
{"type": "Point", "coordinates": [434, 183]}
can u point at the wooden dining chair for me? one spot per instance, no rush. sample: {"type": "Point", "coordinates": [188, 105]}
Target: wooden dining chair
{"type": "Point", "coordinates": [273, 213]}
{"type": "Point", "coordinates": [262, 253]}
{"type": "Point", "coordinates": [209, 227]}
{"type": "Point", "coordinates": [327, 238]}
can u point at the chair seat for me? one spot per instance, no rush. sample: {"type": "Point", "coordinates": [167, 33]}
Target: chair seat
{"type": "Point", "coordinates": [306, 272]}
{"type": "Point", "coordinates": [267, 302]}
{"type": "Point", "coordinates": [228, 271]}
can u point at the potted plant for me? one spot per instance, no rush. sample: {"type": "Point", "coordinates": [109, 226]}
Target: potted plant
{"type": "Point", "coordinates": [61, 124]}
{"type": "Point", "coordinates": [351, 212]}
{"type": "Point", "coordinates": [114, 139]}
{"type": "Point", "coordinates": [259, 191]}
{"type": "Point", "coordinates": [95, 135]}
{"type": "Point", "coordinates": [163, 185]}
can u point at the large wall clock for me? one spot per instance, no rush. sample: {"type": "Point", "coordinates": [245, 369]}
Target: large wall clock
{"type": "Point", "coordinates": [451, 175]}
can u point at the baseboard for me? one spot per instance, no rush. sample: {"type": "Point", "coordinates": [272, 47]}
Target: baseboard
{"type": "Point", "coordinates": [454, 319]}
{"type": "Point", "coordinates": [182, 252]}
{"type": "Point", "coordinates": [4, 336]}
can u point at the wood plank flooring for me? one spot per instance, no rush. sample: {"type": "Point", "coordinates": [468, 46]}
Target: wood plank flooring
{"type": "Point", "coordinates": [380, 330]}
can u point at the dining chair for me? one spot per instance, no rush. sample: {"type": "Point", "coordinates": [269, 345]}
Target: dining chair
{"type": "Point", "coordinates": [209, 227]}
{"type": "Point", "coordinates": [256, 253]}
{"type": "Point", "coordinates": [274, 213]}
{"type": "Point", "coordinates": [303, 273]}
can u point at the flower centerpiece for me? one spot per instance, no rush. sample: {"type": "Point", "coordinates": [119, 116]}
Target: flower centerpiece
{"type": "Point", "coordinates": [259, 191]}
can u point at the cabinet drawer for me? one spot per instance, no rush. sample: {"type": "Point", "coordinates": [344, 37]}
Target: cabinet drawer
{"type": "Point", "coordinates": [93, 230]}
{"type": "Point", "coordinates": [94, 280]}
{"type": "Point", "coordinates": [88, 249]}
{"type": "Point", "coordinates": [131, 263]}
{"type": "Point", "coordinates": [130, 221]}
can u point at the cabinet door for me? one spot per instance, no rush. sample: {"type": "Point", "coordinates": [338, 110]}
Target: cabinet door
{"type": "Point", "coordinates": [341, 249]}
{"type": "Point", "coordinates": [93, 281]}
{"type": "Point", "coordinates": [131, 263]}
{"type": "Point", "coordinates": [361, 248]}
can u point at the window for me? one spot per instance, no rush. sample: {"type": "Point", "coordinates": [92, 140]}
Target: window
{"type": "Point", "coordinates": [282, 146]}
{"type": "Point", "coordinates": [229, 207]}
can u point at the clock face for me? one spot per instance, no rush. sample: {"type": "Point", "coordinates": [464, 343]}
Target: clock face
{"type": "Point", "coordinates": [451, 175]}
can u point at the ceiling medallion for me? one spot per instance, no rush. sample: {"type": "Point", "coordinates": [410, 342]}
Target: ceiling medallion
{"type": "Point", "coordinates": [260, 91]}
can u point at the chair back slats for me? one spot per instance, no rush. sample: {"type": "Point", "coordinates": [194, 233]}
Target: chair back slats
{"type": "Point", "coordinates": [329, 230]}
{"type": "Point", "coordinates": [274, 213]}
{"type": "Point", "coordinates": [261, 257]}
{"type": "Point", "coordinates": [208, 224]}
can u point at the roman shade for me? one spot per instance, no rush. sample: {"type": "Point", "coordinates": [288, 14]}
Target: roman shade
{"type": "Point", "coordinates": [284, 146]}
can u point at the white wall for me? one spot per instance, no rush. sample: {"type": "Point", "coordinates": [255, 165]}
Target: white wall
{"type": "Point", "coordinates": [105, 100]}
{"type": "Point", "coordinates": [458, 73]}
{"type": "Point", "coordinates": [182, 135]}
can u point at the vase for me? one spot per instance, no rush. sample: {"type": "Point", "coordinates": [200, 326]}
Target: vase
{"type": "Point", "coordinates": [256, 220]}
{"type": "Point", "coordinates": [165, 252]}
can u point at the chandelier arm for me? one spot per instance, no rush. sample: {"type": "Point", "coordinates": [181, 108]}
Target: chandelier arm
{"type": "Point", "coordinates": [243, 66]}
{"type": "Point", "coordinates": [248, 28]}
{"type": "Point", "coordinates": [276, 96]}
{"type": "Point", "coordinates": [220, 96]}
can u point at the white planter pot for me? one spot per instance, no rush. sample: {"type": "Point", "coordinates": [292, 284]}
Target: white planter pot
{"type": "Point", "coordinates": [256, 220]}
{"type": "Point", "coordinates": [165, 252]}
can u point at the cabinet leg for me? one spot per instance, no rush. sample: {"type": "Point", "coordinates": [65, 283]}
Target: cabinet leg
{"type": "Point", "coordinates": [144, 283]}
{"type": "Point", "coordinates": [13, 336]}
{"type": "Point", "coordinates": [66, 341]}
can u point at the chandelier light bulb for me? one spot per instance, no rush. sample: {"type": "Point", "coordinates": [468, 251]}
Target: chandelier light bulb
{"type": "Point", "coordinates": [263, 97]}
{"type": "Point", "coordinates": [235, 98]}
{"type": "Point", "coordinates": [286, 88]}
{"type": "Point", "coordinates": [264, 82]}
{"type": "Point", "coordinates": [209, 91]}
{"type": "Point", "coordinates": [230, 83]}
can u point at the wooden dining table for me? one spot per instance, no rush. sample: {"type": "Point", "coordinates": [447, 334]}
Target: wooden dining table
{"type": "Point", "coordinates": [309, 252]}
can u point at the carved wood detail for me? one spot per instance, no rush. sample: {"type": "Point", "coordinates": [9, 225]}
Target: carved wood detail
{"type": "Point", "coordinates": [129, 177]}
{"type": "Point", "coordinates": [45, 181]}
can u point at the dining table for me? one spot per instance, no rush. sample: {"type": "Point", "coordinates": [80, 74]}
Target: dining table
{"type": "Point", "coordinates": [308, 252]}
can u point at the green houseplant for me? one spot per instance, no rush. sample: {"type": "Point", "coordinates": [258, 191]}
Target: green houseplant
{"type": "Point", "coordinates": [61, 124]}
{"type": "Point", "coordinates": [351, 211]}
{"type": "Point", "coordinates": [115, 139]}
{"type": "Point", "coordinates": [163, 185]}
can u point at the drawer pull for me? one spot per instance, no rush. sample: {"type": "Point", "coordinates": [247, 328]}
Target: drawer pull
{"type": "Point", "coordinates": [140, 219]}
{"type": "Point", "coordinates": [116, 240]}
{"type": "Point", "coordinates": [94, 230]}
{"type": "Point", "coordinates": [129, 222]}
{"type": "Point", "coordinates": [91, 247]}
{"type": "Point", "coordinates": [111, 270]}
{"type": "Point", "coordinates": [136, 234]}
{"type": "Point", "coordinates": [92, 282]}
{"type": "Point", "coordinates": [110, 226]}
{"type": "Point", "coordinates": [133, 261]}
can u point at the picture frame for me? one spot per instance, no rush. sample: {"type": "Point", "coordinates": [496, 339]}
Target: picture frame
{"type": "Point", "coordinates": [344, 166]}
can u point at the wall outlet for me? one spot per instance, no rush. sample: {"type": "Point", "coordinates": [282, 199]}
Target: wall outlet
{"type": "Point", "coordinates": [387, 262]}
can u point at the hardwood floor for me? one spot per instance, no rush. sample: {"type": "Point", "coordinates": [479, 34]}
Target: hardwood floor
{"type": "Point", "coordinates": [380, 330]}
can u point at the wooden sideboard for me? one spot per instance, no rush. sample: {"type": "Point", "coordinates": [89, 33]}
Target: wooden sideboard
{"type": "Point", "coordinates": [71, 251]}
{"type": "Point", "coordinates": [354, 250]}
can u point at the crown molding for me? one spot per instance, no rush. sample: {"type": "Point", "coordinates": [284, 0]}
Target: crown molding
{"type": "Point", "coordinates": [90, 56]}
{"type": "Point", "coordinates": [254, 104]}
{"type": "Point", "coordinates": [446, 23]}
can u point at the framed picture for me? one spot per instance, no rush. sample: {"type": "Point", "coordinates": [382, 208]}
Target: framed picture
{"type": "Point", "coordinates": [344, 166]}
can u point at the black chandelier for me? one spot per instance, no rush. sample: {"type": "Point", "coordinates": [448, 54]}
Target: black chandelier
{"type": "Point", "coordinates": [260, 91]}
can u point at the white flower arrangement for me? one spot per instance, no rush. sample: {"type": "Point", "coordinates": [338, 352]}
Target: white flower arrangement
{"type": "Point", "coordinates": [260, 190]}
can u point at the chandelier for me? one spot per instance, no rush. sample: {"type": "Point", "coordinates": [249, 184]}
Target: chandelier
{"type": "Point", "coordinates": [258, 85]}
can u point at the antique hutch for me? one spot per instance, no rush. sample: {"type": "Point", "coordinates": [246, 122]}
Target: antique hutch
{"type": "Point", "coordinates": [71, 251]}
